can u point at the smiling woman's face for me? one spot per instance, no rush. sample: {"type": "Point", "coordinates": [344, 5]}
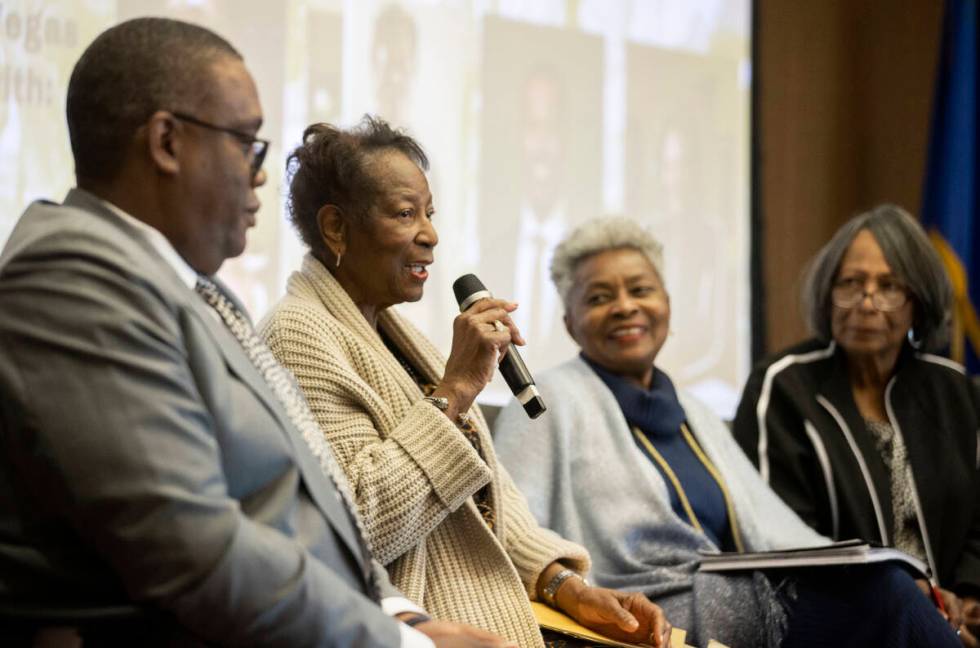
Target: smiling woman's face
{"type": "Point", "coordinates": [619, 312]}
{"type": "Point", "coordinates": [387, 256]}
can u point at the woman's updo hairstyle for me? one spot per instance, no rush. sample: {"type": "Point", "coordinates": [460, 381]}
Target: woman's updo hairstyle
{"type": "Point", "coordinates": [333, 167]}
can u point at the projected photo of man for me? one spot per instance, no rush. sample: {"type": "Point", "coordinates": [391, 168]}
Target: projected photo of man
{"type": "Point", "coordinates": [679, 164]}
{"type": "Point", "coordinates": [543, 218]}
{"type": "Point", "coordinates": [541, 162]}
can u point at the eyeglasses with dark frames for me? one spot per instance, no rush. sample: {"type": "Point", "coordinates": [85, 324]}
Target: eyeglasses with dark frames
{"type": "Point", "coordinates": [257, 147]}
{"type": "Point", "coordinates": [849, 292]}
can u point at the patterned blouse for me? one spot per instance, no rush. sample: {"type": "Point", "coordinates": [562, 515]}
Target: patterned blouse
{"type": "Point", "coordinates": [891, 447]}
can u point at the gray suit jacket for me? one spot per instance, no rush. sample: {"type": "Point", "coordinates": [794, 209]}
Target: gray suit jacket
{"type": "Point", "coordinates": [143, 458]}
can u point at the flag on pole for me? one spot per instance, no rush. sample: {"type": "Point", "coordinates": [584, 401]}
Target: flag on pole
{"type": "Point", "coordinates": [951, 197]}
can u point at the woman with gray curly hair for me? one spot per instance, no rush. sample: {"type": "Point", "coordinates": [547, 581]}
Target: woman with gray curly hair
{"type": "Point", "coordinates": [861, 430]}
{"type": "Point", "coordinates": [647, 478]}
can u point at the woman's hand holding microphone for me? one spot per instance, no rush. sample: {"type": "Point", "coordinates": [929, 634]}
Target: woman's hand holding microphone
{"type": "Point", "coordinates": [481, 335]}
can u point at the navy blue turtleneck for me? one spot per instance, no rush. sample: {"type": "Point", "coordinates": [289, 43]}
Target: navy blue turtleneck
{"type": "Point", "coordinates": [658, 415]}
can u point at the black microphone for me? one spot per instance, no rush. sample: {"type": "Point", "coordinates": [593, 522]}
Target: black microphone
{"type": "Point", "coordinates": [469, 290]}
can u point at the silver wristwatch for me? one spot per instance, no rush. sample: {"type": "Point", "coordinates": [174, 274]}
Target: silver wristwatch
{"type": "Point", "coordinates": [549, 591]}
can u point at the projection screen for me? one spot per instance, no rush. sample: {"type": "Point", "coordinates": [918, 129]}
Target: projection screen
{"type": "Point", "coordinates": [536, 115]}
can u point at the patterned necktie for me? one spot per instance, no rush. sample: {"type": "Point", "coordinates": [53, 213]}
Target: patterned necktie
{"type": "Point", "coordinates": [283, 385]}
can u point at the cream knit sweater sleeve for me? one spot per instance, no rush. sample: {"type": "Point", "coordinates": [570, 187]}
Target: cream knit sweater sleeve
{"type": "Point", "coordinates": [530, 546]}
{"type": "Point", "coordinates": [409, 466]}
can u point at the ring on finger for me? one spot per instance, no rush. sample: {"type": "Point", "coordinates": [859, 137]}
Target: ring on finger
{"type": "Point", "coordinates": [497, 326]}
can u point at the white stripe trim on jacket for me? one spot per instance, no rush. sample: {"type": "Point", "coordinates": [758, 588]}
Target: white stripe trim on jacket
{"type": "Point", "coordinates": [939, 360]}
{"type": "Point", "coordinates": [828, 474]}
{"type": "Point", "coordinates": [762, 406]}
{"type": "Point", "coordinates": [861, 464]}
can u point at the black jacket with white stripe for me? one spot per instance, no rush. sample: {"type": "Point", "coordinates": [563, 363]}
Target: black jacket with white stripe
{"type": "Point", "coordinates": [798, 423]}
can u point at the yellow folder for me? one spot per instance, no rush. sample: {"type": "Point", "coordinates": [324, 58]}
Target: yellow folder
{"type": "Point", "coordinates": [552, 619]}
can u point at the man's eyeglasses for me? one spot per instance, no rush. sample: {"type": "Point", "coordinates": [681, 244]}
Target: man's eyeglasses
{"type": "Point", "coordinates": [848, 293]}
{"type": "Point", "coordinates": [257, 148]}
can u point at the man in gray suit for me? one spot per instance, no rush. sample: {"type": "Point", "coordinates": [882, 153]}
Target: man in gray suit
{"type": "Point", "coordinates": [149, 451]}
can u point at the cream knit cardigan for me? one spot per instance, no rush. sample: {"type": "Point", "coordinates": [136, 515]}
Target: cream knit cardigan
{"type": "Point", "coordinates": [413, 472]}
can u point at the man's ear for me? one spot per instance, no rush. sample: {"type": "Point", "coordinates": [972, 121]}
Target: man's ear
{"type": "Point", "coordinates": [162, 142]}
{"type": "Point", "coordinates": [333, 229]}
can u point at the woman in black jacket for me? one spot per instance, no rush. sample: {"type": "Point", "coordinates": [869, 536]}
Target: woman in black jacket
{"type": "Point", "coordinates": [860, 430]}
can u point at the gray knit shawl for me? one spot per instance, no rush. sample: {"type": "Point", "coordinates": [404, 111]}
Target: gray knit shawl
{"type": "Point", "coordinates": [585, 478]}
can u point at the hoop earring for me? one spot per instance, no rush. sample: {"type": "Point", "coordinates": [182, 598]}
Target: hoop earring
{"type": "Point", "coordinates": [911, 338]}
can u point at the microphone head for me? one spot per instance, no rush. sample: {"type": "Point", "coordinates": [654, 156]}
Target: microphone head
{"type": "Point", "coordinates": [466, 286]}
{"type": "Point", "coordinates": [469, 290]}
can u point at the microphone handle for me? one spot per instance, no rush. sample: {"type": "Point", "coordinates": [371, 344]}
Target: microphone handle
{"type": "Point", "coordinates": [518, 378]}
{"type": "Point", "coordinates": [514, 371]}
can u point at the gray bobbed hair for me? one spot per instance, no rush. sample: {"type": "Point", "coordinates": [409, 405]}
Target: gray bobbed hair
{"type": "Point", "coordinates": [599, 235]}
{"type": "Point", "coordinates": [911, 257]}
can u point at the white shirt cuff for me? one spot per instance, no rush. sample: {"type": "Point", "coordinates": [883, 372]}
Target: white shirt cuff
{"type": "Point", "coordinates": [393, 605]}
{"type": "Point", "coordinates": [411, 638]}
